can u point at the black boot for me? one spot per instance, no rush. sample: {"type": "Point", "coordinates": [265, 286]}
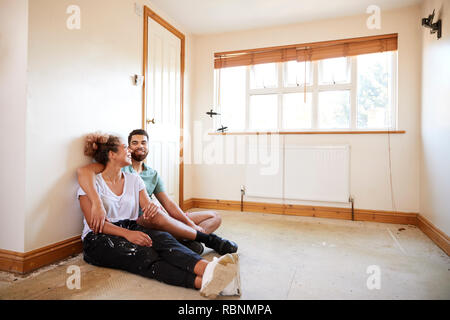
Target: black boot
{"type": "Point", "coordinates": [195, 246]}
{"type": "Point", "coordinates": [220, 245]}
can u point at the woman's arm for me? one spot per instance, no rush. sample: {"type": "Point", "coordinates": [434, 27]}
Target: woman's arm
{"type": "Point", "coordinates": [86, 179]}
{"type": "Point", "coordinates": [136, 237]}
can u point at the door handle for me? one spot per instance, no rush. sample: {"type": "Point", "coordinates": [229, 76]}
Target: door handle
{"type": "Point", "coordinates": [151, 121]}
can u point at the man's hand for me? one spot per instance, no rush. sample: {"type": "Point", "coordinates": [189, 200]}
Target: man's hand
{"type": "Point", "coordinates": [98, 217]}
{"type": "Point", "coordinates": [150, 210]}
{"type": "Point", "coordinates": [139, 238]}
{"type": "Point", "coordinates": [196, 227]}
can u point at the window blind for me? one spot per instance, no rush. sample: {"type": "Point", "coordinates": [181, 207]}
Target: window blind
{"type": "Point", "coordinates": [307, 51]}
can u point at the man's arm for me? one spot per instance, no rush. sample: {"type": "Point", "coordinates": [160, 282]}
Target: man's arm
{"type": "Point", "coordinates": [136, 237]}
{"type": "Point", "coordinates": [175, 211]}
{"type": "Point", "coordinates": [86, 179]}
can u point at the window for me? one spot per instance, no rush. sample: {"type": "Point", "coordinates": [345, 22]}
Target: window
{"type": "Point", "coordinates": [374, 90]}
{"type": "Point", "coordinates": [343, 93]}
{"type": "Point", "coordinates": [297, 113]}
{"type": "Point", "coordinates": [263, 112]}
{"type": "Point", "coordinates": [334, 109]}
{"type": "Point", "coordinates": [232, 95]}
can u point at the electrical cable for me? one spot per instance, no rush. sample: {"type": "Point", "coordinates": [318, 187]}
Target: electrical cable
{"type": "Point", "coordinates": [389, 149]}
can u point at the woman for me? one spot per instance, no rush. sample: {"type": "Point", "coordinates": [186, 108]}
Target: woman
{"type": "Point", "coordinates": [126, 245]}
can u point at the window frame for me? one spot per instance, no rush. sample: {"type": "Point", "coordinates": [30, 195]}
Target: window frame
{"type": "Point", "coordinates": [315, 88]}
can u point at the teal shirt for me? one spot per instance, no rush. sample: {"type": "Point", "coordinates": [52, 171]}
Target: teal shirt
{"type": "Point", "coordinates": [152, 180]}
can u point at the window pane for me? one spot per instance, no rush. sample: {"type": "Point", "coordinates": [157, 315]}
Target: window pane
{"type": "Point", "coordinates": [297, 113]}
{"type": "Point", "coordinates": [374, 94]}
{"type": "Point", "coordinates": [334, 71]}
{"type": "Point", "coordinates": [263, 112]}
{"type": "Point", "coordinates": [264, 76]}
{"type": "Point", "coordinates": [295, 73]}
{"type": "Point", "coordinates": [232, 98]}
{"type": "Point", "coordinates": [334, 109]}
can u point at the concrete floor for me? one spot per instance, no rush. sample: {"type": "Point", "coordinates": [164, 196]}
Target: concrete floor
{"type": "Point", "coordinates": [281, 257]}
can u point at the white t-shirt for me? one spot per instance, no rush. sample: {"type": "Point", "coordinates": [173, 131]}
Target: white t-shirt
{"type": "Point", "coordinates": [125, 206]}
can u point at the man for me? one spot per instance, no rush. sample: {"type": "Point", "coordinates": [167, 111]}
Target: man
{"type": "Point", "coordinates": [204, 222]}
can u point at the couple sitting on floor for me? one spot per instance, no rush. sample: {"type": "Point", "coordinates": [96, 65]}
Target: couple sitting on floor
{"type": "Point", "coordinates": [124, 229]}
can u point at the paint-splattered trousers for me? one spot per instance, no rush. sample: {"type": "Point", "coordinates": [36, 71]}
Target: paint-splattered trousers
{"type": "Point", "coordinates": [167, 260]}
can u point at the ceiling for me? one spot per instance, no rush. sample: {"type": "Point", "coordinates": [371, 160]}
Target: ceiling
{"type": "Point", "coordinates": [217, 16]}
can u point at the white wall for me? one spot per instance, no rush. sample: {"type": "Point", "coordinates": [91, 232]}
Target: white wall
{"type": "Point", "coordinates": [13, 86]}
{"type": "Point", "coordinates": [369, 157]}
{"type": "Point", "coordinates": [79, 82]}
{"type": "Point", "coordinates": [435, 119]}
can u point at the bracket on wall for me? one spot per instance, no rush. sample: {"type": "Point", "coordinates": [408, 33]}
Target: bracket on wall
{"type": "Point", "coordinates": [222, 129]}
{"type": "Point", "coordinates": [242, 197]}
{"type": "Point", "coordinates": [352, 201]}
{"type": "Point", "coordinates": [212, 113]}
{"type": "Point", "coordinates": [435, 27]}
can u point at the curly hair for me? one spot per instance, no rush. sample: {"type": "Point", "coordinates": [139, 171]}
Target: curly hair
{"type": "Point", "coordinates": [97, 145]}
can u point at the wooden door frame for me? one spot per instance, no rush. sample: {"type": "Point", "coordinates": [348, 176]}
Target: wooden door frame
{"type": "Point", "coordinates": [148, 13]}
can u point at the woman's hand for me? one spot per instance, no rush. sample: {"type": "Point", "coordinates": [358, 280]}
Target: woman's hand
{"type": "Point", "coordinates": [139, 238]}
{"type": "Point", "coordinates": [150, 210]}
{"type": "Point", "coordinates": [98, 217]}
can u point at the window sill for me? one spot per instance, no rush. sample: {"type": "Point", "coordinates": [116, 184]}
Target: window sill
{"type": "Point", "coordinates": [307, 132]}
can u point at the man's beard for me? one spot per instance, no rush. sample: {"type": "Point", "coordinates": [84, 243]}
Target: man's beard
{"type": "Point", "coordinates": [138, 157]}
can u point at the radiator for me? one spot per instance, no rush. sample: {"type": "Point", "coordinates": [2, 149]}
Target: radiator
{"type": "Point", "coordinates": [309, 173]}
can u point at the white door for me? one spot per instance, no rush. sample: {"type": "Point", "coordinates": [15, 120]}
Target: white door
{"type": "Point", "coordinates": [163, 105]}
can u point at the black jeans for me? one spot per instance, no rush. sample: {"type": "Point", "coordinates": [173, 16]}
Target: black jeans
{"type": "Point", "coordinates": [167, 260]}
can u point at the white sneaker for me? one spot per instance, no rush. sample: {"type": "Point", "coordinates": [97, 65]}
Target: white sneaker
{"type": "Point", "coordinates": [218, 274]}
{"type": "Point", "coordinates": [234, 287]}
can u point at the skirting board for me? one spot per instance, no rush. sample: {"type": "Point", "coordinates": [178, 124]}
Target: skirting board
{"type": "Point", "coordinates": [22, 263]}
{"type": "Point", "coordinates": [436, 235]}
